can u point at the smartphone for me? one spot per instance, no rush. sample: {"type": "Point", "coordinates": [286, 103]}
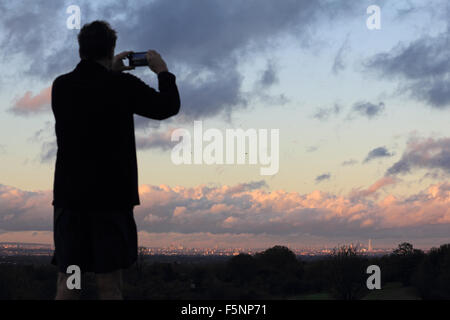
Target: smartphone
{"type": "Point", "coordinates": [137, 59]}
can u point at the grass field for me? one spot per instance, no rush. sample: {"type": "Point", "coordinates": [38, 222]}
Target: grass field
{"type": "Point", "coordinates": [393, 291]}
{"type": "Point", "coordinates": [389, 291]}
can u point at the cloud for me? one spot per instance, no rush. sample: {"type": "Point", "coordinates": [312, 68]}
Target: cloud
{"type": "Point", "coordinates": [379, 184]}
{"type": "Point", "coordinates": [155, 140]}
{"type": "Point", "coordinates": [423, 65]}
{"type": "Point", "coordinates": [269, 77]}
{"type": "Point", "coordinates": [421, 153]}
{"type": "Point", "coordinates": [380, 152]}
{"type": "Point", "coordinates": [225, 209]}
{"type": "Point", "coordinates": [37, 33]}
{"type": "Point", "coordinates": [249, 209]}
{"type": "Point", "coordinates": [361, 108]}
{"type": "Point", "coordinates": [29, 104]}
{"type": "Point", "coordinates": [349, 162]}
{"type": "Point", "coordinates": [323, 177]}
{"type": "Point", "coordinates": [367, 109]}
{"type": "Point", "coordinates": [339, 64]}
{"type": "Point", "coordinates": [24, 210]}
{"type": "Point", "coordinates": [416, 10]}
{"type": "Point", "coordinates": [48, 151]}
{"type": "Point", "coordinates": [261, 88]}
{"type": "Point", "coordinates": [248, 186]}
{"type": "Point", "coordinates": [47, 140]}
{"type": "Point", "coordinates": [326, 113]}
{"type": "Point", "coordinates": [204, 43]}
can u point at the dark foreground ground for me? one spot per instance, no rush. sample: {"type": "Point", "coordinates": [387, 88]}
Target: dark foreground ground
{"type": "Point", "coordinates": [276, 273]}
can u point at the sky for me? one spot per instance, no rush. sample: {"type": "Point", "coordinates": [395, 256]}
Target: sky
{"type": "Point", "coordinates": [363, 118]}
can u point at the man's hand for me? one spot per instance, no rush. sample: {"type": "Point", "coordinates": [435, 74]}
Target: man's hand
{"type": "Point", "coordinates": [155, 62]}
{"type": "Point", "coordinates": [117, 64]}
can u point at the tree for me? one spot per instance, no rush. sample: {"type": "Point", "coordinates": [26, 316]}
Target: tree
{"type": "Point", "coordinates": [279, 257]}
{"type": "Point", "coordinates": [279, 271]}
{"type": "Point", "coordinates": [404, 249]}
{"type": "Point", "coordinates": [242, 268]}
{"type": "Point", "coordinates": [347, 273]}
{"type": "Point", "coordinates": [405, 261]}
{"type": "Point", "coordinates": [432, 277]}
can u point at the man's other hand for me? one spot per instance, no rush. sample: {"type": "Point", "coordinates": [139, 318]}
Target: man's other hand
{"type": "Point", "coordinates": [117, 64]}
{"type": "Point", "coordinates": [155, 62]}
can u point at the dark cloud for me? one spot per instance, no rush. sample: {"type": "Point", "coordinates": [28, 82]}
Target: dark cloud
{"type": "Point", "coordinates": [367, 109]}
{"type": "Point", "coordinates": [339, 59]}
{"type": "Point", "coordinates": [269, 76]}
{"type": "Point", "coordinates": [203, 42]}
{"type": "Point", "coordinates": [261, 88]}
{"type": "Point", "coordinates": [431, 154]}
{"type": "Point", "coordinates": [247, 186]}
{"type": "Point", "coordinates": [219, 94]}
{"type": "Point", "coordinates": [380, 152]}
{"type": "Point", "coordinates": [435, 175]}
{"type": "Point", "coordinates": [323, 177]}
{"type": "Point", "coordinates": [209, 40]}
{"type": "Point", "coordinates": [145, 123]}
{"type": "Point", "coordinates": [423, 66]}
{"type": "Point", "coordinates": [326, 113]}
{"type": "Point", "coordinates": [359, 109]}
{"type": "Point", "coordinates": [37, 32]}
{"type": "Point", "coordinates": [48, 152]}
{"type": "Point", "coordinates": [155, 140]}
{"type": "Point", "coordinates": [46, 138]}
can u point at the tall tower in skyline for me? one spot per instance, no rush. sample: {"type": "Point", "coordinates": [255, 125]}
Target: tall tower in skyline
{"type": "Point", "coordinates": [369, 248]}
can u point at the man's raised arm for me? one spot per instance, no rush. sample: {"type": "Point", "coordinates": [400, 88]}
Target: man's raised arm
{"type": "Point", "coordinates": [148, 102]}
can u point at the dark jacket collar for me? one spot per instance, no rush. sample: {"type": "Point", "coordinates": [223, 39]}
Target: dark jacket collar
{"type": "Point", "coordinates": [91, 66]}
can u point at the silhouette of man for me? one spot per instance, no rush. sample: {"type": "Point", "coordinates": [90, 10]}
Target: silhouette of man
{"type": "Point", "coordinates": [96, 181]}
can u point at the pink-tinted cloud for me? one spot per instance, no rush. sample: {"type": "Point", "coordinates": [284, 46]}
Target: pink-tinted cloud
{"type": "Point", "coordinates": [248, 209]}
{"type": "Point", "coordinates": [30, 103]}
{"type": "Point", "coordinates": [376, 186]}
{"type": "Point", "coordinates": [24, 210]}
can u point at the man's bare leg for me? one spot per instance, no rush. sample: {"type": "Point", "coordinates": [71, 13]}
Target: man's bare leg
{"type": "Point", "coordinates": [64, 293]}
{"type": "Point", "coordinates": [109, 285]}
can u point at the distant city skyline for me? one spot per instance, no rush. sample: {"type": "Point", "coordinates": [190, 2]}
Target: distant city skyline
{"type": "Point", "coordinates": [14, 248]}
{"type": "Point", "coordinates": [179, 248]}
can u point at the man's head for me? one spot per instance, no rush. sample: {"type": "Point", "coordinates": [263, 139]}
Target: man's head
{"type": "Point", "coordinates": [97, 41]}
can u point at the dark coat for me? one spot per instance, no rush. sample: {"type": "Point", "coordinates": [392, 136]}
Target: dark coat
{"type": "Point", "coordinates": [96, 162]}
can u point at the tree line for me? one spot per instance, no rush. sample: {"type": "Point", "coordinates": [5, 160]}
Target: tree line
{"type": "Point", "coordinates": [276, 273]}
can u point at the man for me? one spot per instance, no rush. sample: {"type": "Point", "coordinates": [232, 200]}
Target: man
{"type": "Point", "coordinates": [96, 182]}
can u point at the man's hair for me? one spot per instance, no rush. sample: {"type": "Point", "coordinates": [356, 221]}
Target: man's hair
{"type": "Point", "coordinates": [96, 40]}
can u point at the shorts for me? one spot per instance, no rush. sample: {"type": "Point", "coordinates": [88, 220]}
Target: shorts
{"type": "Point", "coordinates": [99, 241]}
